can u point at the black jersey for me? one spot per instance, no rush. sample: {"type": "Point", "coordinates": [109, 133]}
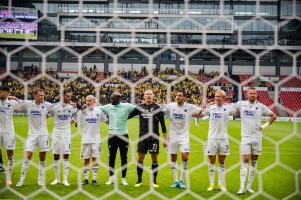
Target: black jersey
{"type": "Point", "coordinates": [145, 116]}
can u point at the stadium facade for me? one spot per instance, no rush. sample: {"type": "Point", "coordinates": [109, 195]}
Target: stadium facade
{"type": "Point", "coordinates": [205, 24]}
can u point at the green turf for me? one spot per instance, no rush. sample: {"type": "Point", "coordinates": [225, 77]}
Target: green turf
{"type": "Point", "coordinates": [279, 181]}
{"type": "Point", "coordinates": [19, 36]}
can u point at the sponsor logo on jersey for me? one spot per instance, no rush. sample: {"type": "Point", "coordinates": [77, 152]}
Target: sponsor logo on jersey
{"type": "Point", "coordinates": [216, 115]}
{"type": "Point", "coordinates": [178, 116]}
{"type": "Point", "coordinates": [91, 120]}
{"type": "Point", "coordinates": [63, 117]}
{"type": "Point", "coordinates": [248, 113]}
{"type": "Point", "coordinates": [35, 113]}
{"type": "Point", "coordinates": [3, 110]}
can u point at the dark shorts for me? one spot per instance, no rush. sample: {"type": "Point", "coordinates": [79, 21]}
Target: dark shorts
{"type": "Point", "coordinates": [151, 146]}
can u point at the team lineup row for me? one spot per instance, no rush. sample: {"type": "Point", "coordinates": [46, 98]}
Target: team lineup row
{"type": "Point", "coordinates": [150, 115]}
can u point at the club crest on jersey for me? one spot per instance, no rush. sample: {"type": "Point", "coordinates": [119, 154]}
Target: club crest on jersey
{"type": "Point", "coordinates": [256, 108]}
{"type": "Point", "coordinates": [8, 105]}
{"type": "Point", "coordinates": [185, 110]}
{"type": "Point", "coordinates": [225, 109]}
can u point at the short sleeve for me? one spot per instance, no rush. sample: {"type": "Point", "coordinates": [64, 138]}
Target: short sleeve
{"type": "Point", "coordinates": [102, 108]}
{"type": "Point", "coordinates": [15, 104]}
{"type": "Point", "coordinates": [265, 110]}
{"type": "Point", "coordinates": [49, 106]}
{"type": "Point", "coordinates": [232, 109]}
{"type": "Point", "coordinates": [166, 108]}
{"type": "Point", "coordinates": [74, 115]}
{"type": "Point", "coordinates": [194, 109]}
{"type": "Point", "coordinates": [103, 117]}
{"type": "Point", "coordinates": [206, 112]}
{"type": "Point", "coordinates": [130, 107]}
{"type": "Point", "coordinates": [25, 103]}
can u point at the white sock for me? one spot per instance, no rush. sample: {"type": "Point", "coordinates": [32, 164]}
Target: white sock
{"type": "Point", "coordinates": [252, 171]}
{"type": "Point", "coordinates": [211, 169]}
{"type": "Point", "coordinates": [221, 172]}
{"type": "Point", "coordinates": [243, 174]}
{"type": "Point", "coordinates": [24, 169]}
{"type": "Point", "coordinates": [174, 168]}
{"type": "Point", "coordinates": [183, 170]}
{"type": "Point", "coordinates": [94, 171]}
{"type": "Point", "coordinates": [56, 166]}
{"type": "Point", "coordinates": [86, 172]}
{"type": "Point", "coordinates": [41, 171]}
{"type": "Point", "coordinates": [65, 169]}
{"type": "Point", "coordinates": [10, 165]}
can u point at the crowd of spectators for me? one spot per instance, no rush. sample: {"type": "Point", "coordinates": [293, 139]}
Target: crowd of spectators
{"type": "Point", "coordinates": [90, 72]}
{"type": "Point", "coordinates": [81, 88]}
{"type": "Point", "coordinates": [27, 72]}
{"type": "Point", "coordinates": [133, 75]}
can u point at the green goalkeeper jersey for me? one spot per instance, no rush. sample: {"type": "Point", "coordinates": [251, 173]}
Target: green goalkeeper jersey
{"type": "Point", "coordinates": [118, 115]}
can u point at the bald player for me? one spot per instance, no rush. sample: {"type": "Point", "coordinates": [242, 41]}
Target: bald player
{"type": "Point", "coordinates": [90, 146]}
{"type": "Point", "coordinates": [118, 134]}
{"type": "Point", "coordinates": [251, 112]}
{"type": "Point", "coordinates": [218, 144]}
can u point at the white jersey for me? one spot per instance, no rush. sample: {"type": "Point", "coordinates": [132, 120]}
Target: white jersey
{"type": "Point", "coordinates": [7, 108]}
{"type": "Point", "coordinates": [180, 117]}
{"type": "Point", "coordinates": [251, 114]}
{"type": "Point", "coordinates": [218, 120]}
{"type": "Point", "coordinates": [62, 118]}
{"type": "Point", "coordinates": [37, 116]}
{"type": "Point", "coordinates": [90, 121]}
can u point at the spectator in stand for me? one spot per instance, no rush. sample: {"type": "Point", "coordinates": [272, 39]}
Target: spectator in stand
{"type": "Point", "coordinates": [80, 88]}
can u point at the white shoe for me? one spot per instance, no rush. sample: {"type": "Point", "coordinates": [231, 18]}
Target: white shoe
{"type": "Point", "coordinates": [110, 181]}
{"type": "Point", "coordinates": [250, 190]}
{"type": "Point", "coordinates": [40, 183]}
{"type": "Point", "coordinates": [241, 191]}
{"type": "Point", "coordinates": [55, 182]}
{"type": "Point", "coordinates": [65, 183]}
{"type": "Point", "coordinates": [20, 184]}
{"type": "Point", "coordinates": [123, 182]}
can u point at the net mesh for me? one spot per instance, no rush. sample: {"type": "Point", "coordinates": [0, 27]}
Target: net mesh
{"type": "Point", "coordinates": [131, 84]}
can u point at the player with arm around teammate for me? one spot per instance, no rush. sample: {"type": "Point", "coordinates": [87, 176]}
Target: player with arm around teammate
{"type": "Point", "coordinates": [149, 144]}
{"type": "Point", "coordinates": [7, 132]}
{"type": "Point", "coordinates": [218, 144]}
{"type": "Point", "coordinates": [64, 114]}
{"type": "Point", "coordinates": [90, 118]}
{"type": "Point", "coordinates": [118, 114]}
{"type": "Point", "coordinates": [37, 111]}
{"type": "Point", "coordinates": [180, 114]}
{"type": "Point", "coordinates": [251, 112]}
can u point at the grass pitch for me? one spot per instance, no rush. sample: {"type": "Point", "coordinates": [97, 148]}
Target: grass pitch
{"type": "Point", "coordinates": [30, 36]}
{"type": "Point", "coordinates": [278, 174]}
